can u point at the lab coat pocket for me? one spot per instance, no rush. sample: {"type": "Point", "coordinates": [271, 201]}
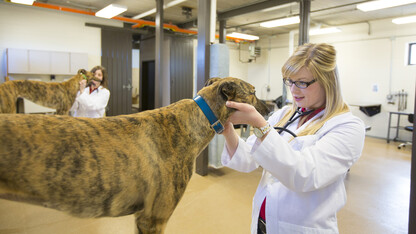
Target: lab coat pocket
{"type": "Point", "coordinates": [297, 229]}
{"type": "Point", "coordinates": [301, 142]}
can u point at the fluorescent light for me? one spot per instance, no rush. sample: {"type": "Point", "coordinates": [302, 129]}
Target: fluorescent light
{"type": "Point", "coordinates": [278, 7]}
{"type": "Point", "coordinates": [320, 31]}
{"type": "Point", "coordinates": [381, 4]}
{"type": "Point", "coordinates": [110, 11]}
{"type": "Point", "coordinates": [173, 3]}
{"type": "Point", "coordinates": [243, 36]}
{"type": "Point", "coordinates": [144, 14]}
{"type": "Point", "coordinates": [281, 22]}
{"type": "Point", "coordinates": [170, 4]}
{"type": "Point", "coordinates": [26, 2]}
{"type": "Point", "coordinates": [405, 20]}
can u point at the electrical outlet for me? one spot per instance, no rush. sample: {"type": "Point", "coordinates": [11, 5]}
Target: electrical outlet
{"type": "Point", "coordinates": [375, 88]}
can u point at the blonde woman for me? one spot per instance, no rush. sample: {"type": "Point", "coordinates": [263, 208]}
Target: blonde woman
{"type": "Point", "coordinates": [92, 99]}
{"type": "Point", "coordinates": [306, 158]}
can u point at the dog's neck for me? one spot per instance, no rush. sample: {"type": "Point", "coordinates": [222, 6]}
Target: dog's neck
{"type": "Point", "coordinates": [213, 120]}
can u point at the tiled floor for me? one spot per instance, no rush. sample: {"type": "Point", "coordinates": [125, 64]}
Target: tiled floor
{"type": "Point", "coordinates": [377, 186]}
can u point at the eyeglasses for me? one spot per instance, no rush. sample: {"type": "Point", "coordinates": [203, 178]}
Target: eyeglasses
{"type": "Point", "coordinates": [299, 84]}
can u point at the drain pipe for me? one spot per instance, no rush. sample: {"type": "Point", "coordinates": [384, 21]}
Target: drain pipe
{"type": "Point", "coordinates": [291, 50]}
{"type": "Point", "coordinates": [391, 96]}
{"type": "Point", "coordinates": [292, 41]}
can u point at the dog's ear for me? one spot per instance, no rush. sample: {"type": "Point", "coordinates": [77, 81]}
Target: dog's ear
{"type": "Point", "coordinates": [228, 90]}
{"type": "Point", "coordinates": [82, 72]}
{"type": "Point", "coordinates": [211, 81]}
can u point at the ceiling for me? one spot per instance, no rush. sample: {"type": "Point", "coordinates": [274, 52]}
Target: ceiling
{"type": "Point", "coordinates": [323, 13]}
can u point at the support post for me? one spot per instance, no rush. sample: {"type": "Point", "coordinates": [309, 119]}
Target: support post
{"type": "Point", "coordinates": [223, 31]}
{"type": "Point", "coordinates": [412, 205]}
{"type": "Point", "coordinates": [159, 54]}
{"type": "Point", "coordinates": [203, 57]}
{"type": "Point", "coordinates": [305, 9]}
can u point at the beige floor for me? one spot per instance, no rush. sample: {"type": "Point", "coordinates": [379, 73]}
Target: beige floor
{"type": "Point", "coordinates": [377, 186]}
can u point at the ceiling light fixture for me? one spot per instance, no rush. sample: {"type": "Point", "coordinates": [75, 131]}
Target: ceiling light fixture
{"type": "Point", "coordinates": [405, 20]}
{"type": "Point", "coordinates": [110, 11]}
{"type": "Point", "coordinates": [381, 4]}
{"type": "Point", "coordinates": [243, 36]}
{"type": "Point", "coordinates": [144, 14]}
{"type": "Point", "coordinates": [279, 7]}
{"type": "Point", "coordinates": [170, 4]}
{"type": "Point", "coordinates": [26, 2]}
{"type": "Point", "coordinates": [320, 31]}
{"type": "Point", "coordinates": [281, 22]}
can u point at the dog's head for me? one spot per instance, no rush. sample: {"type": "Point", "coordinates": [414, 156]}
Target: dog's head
{"type": "Point", "coordinates": [86, 75]}
{"type": "Point", "coordinates": [219, 90]}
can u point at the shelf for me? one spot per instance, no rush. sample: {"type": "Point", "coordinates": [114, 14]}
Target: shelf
{"type": "Point", "coordinates": [369, 109]}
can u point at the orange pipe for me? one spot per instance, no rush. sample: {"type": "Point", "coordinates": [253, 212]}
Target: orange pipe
{"type": "Point", "coordinates": [138, 23]}
{"type": "Point", "coordinates": [59, 8]}
{"type": "Point", "coordinates": [167, 26]}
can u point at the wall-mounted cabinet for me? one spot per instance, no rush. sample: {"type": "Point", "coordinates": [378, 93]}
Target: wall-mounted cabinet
{"type": "Point", "coordinates": [22, 61]}
{"type": "Point", "coordinates": [78, 61]}
{"type": "Point", "coordinates": [39, 62]}
{"type": "Point", "coordinates": [17, 61]}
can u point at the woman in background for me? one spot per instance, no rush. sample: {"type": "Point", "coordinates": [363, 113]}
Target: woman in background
{"type": "Point", "coordinates": [92, 100]}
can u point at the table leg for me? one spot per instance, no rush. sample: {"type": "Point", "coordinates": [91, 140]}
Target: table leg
{"type": "Point", "coordinates": [397, 129]}
{"type": "Point", "coordinates": [388, 129]}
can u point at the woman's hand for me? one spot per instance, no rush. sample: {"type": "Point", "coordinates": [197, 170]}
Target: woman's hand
{"type": "Point", "coordinates": [245, 114]}
{"type": "Point", "coordinates": [82, 85]}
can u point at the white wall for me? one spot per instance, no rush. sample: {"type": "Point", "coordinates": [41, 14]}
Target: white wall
{"type": "Point", "coordinates": [368, 55]}
{"type": "Point", "coordinates": [28, 27]}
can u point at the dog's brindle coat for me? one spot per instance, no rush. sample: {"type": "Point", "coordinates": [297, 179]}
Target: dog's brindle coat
{"type": "Point", "coordinates": [60, 96]}
{"type": "Point", "coordinates": [133, 164]}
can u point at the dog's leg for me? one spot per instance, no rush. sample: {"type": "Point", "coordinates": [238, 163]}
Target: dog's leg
{"type": "Point", "coordinates": [62, 112]}
{"type": "Point", "coordinates": [8, 99]}
{"type": "Point", "coordinates": [19, 196]}
{"type": "Point", "coordinates": [149, 225]}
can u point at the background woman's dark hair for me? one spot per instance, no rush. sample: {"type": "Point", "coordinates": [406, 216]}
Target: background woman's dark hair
{"type": "Point", "coordinates": [104, 71]}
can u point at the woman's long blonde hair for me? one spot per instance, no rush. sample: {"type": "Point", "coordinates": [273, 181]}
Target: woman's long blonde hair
{"type": "Point", "coordinates": [320, 60]}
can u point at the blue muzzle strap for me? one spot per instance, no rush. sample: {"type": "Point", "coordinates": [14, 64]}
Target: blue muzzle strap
{"type": "Point", "coordinates": [215, 123]}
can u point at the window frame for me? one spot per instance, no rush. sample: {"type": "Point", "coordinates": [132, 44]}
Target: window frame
{"type": "Point", "coordinates": [411, 51]}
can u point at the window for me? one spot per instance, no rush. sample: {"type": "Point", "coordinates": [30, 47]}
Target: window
{"type": "Point", "coordinates": [412, 54]}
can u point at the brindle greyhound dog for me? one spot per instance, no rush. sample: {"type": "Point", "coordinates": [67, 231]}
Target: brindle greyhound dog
{"type": "Point", "coordinates": [131, 164]}
{"type": "Point", "coordinates": [57, 95]}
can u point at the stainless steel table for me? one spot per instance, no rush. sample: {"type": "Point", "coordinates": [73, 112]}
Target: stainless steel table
{"type": "Point", "coordinates": [397, 127]}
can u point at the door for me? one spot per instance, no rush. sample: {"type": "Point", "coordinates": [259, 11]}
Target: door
{"type": "Point", "coordinates": [181, 68]}
{"type": "Point", "coordinates": [116, 46]}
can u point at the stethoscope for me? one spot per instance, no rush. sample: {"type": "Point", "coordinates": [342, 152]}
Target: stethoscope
{"type": "Point", "coordinates": [293, 119]}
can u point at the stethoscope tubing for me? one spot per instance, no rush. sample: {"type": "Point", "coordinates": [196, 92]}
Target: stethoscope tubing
{"type": "Point", "coordinates": [291, 120]}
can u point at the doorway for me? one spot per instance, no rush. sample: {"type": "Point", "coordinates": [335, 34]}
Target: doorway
{"type": "Point", "coordinates": [147, 100]}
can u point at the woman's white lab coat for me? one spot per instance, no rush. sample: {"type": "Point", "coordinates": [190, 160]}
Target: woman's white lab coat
{"type": "Point", "coordinates": [303, 179]}
{"type": "Point", "coordinates": [91, 105]}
